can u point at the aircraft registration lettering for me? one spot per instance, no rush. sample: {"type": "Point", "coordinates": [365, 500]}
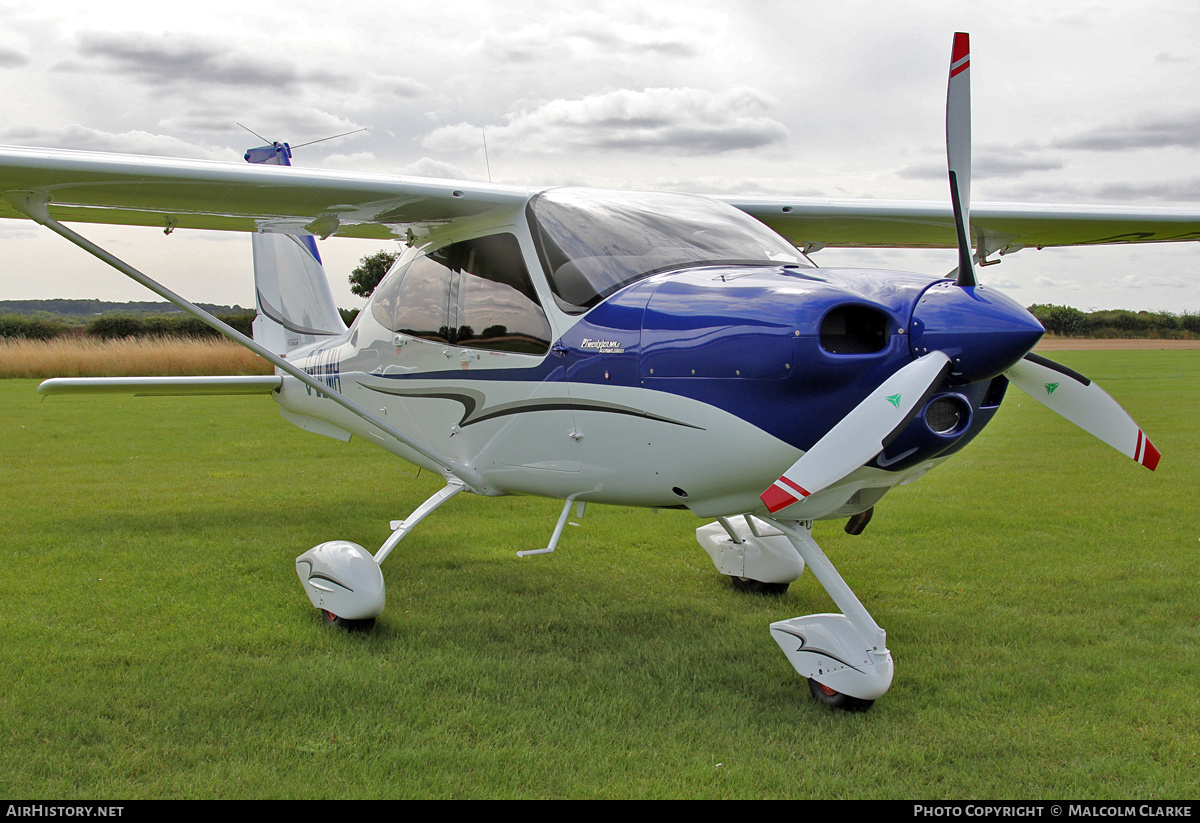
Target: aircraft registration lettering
{"type": "Point", "coordinates": [327, 369]}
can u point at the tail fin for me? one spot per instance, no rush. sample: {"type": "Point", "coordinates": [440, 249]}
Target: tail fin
{"type": "Point", "coordinates": [291, 293]}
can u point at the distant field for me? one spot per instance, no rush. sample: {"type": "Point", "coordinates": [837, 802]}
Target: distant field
{"type": "Point", "coordinates": [1041, 594]}
{"type": "Point", "coordinates": [1112, 344]}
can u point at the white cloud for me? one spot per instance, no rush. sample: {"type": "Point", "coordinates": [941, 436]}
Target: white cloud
{"type": "Point", "coordinates": [1048, 282]}
{"type": "Point", "coordinates": [428, 167]}
{"type": "Point", "coordinates": [587, 34]}
{"type": "Point", "coordinates": [130, 142]}
{"type": "Point", "coordinates": [999, 281]}
{"type": "Point", "coordinates": [1147, 281]}
{"type": "Point", "coordinates": [287, 124]}
{"type": "Point", "coordinates": [685, 121]}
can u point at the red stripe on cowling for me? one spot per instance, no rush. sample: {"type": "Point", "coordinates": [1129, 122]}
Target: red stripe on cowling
{"type": "Point", "coordinates": [803, 491]}
{"type": "Point", "coordinates": [1150, 458]}
{"type": "Point", "coordinates": [1137, 450]}
{"type": "Point", "coordinates": [962, 46]}
{"type": "Point", "coordinates": [960, 69]}
{"type": "Point", "coordinates": [775, 498]}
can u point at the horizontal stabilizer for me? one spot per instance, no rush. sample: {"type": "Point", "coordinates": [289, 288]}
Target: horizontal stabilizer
{"type": "Point", "coordinates": [163, 386]}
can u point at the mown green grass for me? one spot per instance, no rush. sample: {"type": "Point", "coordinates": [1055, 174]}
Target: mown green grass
{"type": "Point", "coordinates": [1039, 590]}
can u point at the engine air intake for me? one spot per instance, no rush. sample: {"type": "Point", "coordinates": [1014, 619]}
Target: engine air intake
{"type": "Point", "coordinates": [854, 330]}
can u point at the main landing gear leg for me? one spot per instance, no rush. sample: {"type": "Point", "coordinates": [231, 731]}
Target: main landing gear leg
{"type": "Point", "coordinates": [844, 656]}
{"type": "Point", "coordinates": [343, 580]}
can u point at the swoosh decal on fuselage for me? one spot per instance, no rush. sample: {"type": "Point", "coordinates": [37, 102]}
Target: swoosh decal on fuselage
{"type": "Point", "coordinates": [473, 400]}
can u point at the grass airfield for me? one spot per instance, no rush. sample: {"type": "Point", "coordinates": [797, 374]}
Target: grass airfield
{"type": "Point", "coordinates": [1040, 591]}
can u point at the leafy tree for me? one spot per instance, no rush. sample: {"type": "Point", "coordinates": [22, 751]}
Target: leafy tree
{"type": "Point", "coordinates": [30, 328]}
{"type": "Point", "coordinates": [370, 271]}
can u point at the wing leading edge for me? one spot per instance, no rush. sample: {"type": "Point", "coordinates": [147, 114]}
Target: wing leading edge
{"type": "Point", "coordinates": [930, 224]}
{"type": "Point", "coordinates": [93, 187]}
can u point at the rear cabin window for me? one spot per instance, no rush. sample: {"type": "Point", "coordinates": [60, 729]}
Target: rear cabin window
{"type": "Point", "coordinates": [476, 294]}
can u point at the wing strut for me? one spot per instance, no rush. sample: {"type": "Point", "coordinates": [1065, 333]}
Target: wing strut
{"type": "Point", "coordinates": [33, 205]}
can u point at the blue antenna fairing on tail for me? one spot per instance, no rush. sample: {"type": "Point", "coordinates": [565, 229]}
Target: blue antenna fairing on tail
{"type": "Point", "coordinates": [276, 154]}
{"type": "Point", "coordinates": [280, 154]}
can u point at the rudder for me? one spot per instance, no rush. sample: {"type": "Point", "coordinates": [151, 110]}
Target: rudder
{"type": "Point", "coordinates": [291, 292]}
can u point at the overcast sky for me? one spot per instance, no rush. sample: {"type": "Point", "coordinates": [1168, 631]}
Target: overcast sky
{"type": "Point", "coordinates": [1076, 102]}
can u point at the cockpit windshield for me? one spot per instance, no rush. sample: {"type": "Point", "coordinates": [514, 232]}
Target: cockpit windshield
{"type": "Point", "coordinates": [593, 242]}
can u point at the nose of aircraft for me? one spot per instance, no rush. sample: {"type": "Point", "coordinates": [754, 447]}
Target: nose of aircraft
{"type": "Point", "coordinates": [981, 330]}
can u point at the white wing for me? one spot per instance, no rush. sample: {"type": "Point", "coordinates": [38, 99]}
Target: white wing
{"type": "Point", "coordinates": [928, 224]}
{"type": "Point", "coordinates": [92, 187]}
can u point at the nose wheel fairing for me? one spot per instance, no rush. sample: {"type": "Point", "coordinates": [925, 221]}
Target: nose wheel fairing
{"type": "Point", "coordinates": [844, 652]}
{"type": "Point", "coordinates": [826, 648]}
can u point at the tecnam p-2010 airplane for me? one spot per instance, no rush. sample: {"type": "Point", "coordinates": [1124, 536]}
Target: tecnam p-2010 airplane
{"type": "Point", "coordinates": [632, 348]}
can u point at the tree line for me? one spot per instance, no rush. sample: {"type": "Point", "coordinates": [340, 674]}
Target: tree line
{"type": "Point", "coordinates": [45, 319]}
{"type": "Point", "coordinates": [118, 326]}
{"type": "Point", "coordinates": [1067, 321]}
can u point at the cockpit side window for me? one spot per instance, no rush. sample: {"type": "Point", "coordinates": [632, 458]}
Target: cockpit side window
{"type": "Point", "coordinates": [383, 301]}
{"type": "Point", "coordinates": [476, 293]}
{"type": "Point", "coordinates": [416, 300]}
{"type": "Point", "coordinates": [498, 308]}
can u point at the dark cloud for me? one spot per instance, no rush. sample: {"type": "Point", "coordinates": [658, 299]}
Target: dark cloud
{"type": "Point", "coordinates": [403, 87]}
{"type": "Point", "coordinates": [997, 165]}
{"type": "Point", "coordinates": [1182, 130]}
{"type": "Point", "coordinates": [988, 163]}
{"type": "Point", "coordinates": [171, 59]}
{"type": "Point", "coordinates": [655, 45]}
{"type": "Point", "coordinates": [1164, 192]}
{"type": "Point", "coordinates": [592, 34]}
{"type": "Point", "coordinates": [1172, 191]}
{"type": "Point", "coordinates": [11, 58]}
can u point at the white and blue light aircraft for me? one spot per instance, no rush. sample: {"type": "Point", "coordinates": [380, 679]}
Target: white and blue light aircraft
{"type": "Point", "coordinates": [622, 347]}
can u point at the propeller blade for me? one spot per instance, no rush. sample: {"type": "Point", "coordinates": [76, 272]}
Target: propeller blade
{"type": "Point", "coordinates": [861, 434]}
{"type": "Point", "coordinates": [958, 152]}
{"type": "Point", "coordinates": [1085, 404]}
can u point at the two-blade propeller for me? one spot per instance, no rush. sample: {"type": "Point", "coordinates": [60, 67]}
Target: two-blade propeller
{"type": "Point", "coordinates": [958, 151]}
{"type": "Point", "coordinates": [861, 434]}
{"type": "Point", "coordinates": [873, 423]}
{"type": "Point", "coordinates": [1085, 404]}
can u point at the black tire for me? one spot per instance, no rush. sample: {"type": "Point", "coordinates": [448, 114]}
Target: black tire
{"type": "Point", "coordinates": [745, 584]}
{"type": "Point", "coordinates": [837, 700]}
{"type": "Point", "coordinates": [331, 619]}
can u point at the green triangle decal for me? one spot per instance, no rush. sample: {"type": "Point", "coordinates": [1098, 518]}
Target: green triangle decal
{"type": "Point", "coordinates": [1050, 387]}
{"type": "Point", "coordinates": [894, 399]}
